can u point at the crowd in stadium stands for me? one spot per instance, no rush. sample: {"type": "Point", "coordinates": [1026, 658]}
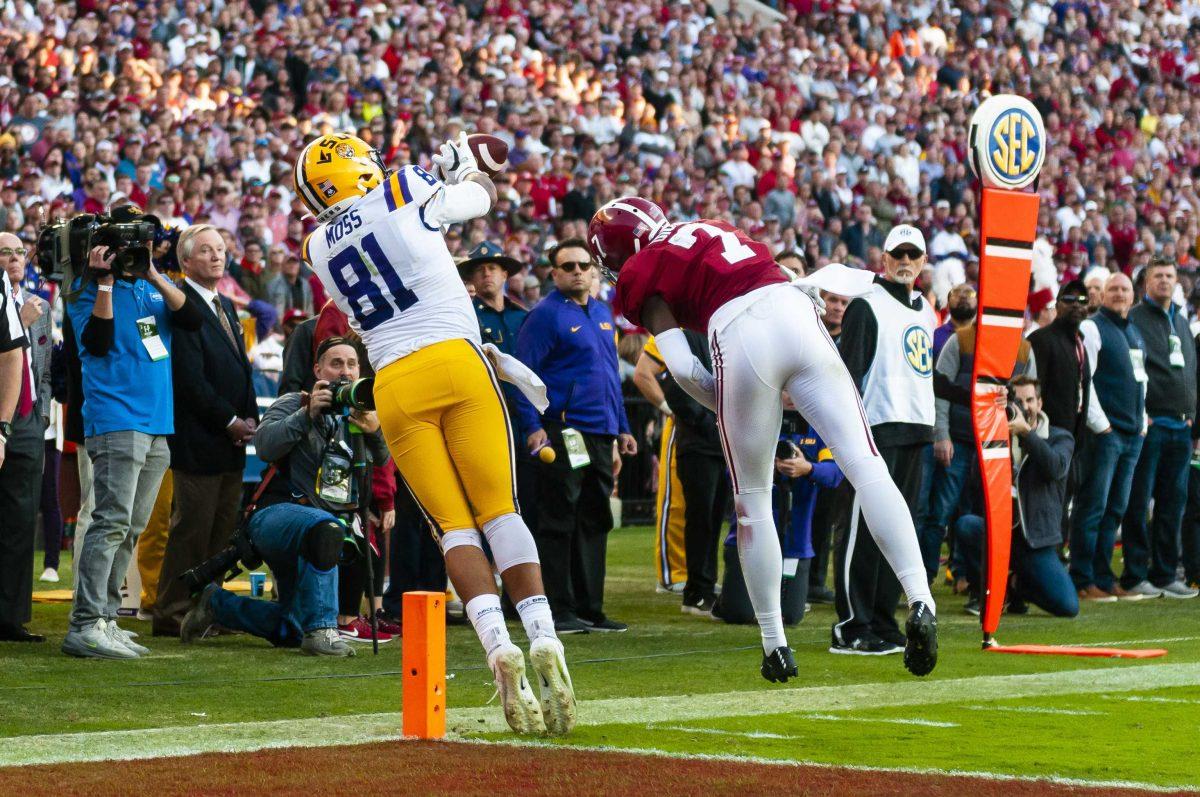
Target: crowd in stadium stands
{"type": "Point", "coordinates": [816, 132]}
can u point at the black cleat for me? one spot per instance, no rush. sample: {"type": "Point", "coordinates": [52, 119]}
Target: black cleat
{"type": "Point", "coordinates": [920, 653]}
{"type": "Point", "coordinates": [779, 665]}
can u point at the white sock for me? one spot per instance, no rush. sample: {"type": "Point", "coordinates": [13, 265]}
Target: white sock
{"type": "Point", "coordinates": [762, 565]}
{"type": "Point", "coordinates": [887, 516]}
{"type": "Point", "coordinates": [487, 617]}
{"type": "Point", "coordinates": [536, 617]}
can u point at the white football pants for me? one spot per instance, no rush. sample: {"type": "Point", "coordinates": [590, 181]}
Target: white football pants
{"type": "Point", "coordinates": [763, 343]}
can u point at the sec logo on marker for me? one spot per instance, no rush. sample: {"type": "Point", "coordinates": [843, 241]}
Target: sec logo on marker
{"type": "Point", "coordinates": [918, 350]}
{"type": "Point", "coordinates": [1007, 142]}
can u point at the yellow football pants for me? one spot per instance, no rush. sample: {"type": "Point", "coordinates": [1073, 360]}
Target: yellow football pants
{"type": "Point", "coordinates": [670, 561]}
{"type": "Point", "coordinates": [443, 416]}
{"type": "Point", "coordinates": [152, 545]}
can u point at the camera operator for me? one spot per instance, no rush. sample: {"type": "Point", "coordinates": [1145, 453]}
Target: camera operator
{"type": "Point", "coordinates": [123, 331]}
{"type": "Point", "coordinates": [1041, 461]}
{"type": "Point", "coordinates": [307, 508]}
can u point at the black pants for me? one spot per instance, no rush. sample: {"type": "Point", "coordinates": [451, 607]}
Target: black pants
{"type": "Point", "coordinates": [867, 601]}
{"type": "Point", "coordinates": [352, 582]}
{"type": "Point", "coordinates": [52, 522]}
{"type": "Point", "coordinates": [734, 604]}
{"type": "Point", "coordinates": [822, 537]}
{"type": "Point", "coordinates": [1189, 530]}
{"type": "Point", "coordinates": [20, 494]}
{"type": "Point", "coordinates": [706, 494]}
{"type": "Point", "coordinates": [574, 519]}
{"type": "Point", "coordinates": [415, 560]}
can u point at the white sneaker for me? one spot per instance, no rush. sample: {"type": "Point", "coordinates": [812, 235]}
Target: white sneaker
{"type": "Point", "coordinates": [126, 638]}
{"type": "Point", "coordinates": [1179, 590]}
{"type": "Point", "coordinates": [1144, 589]}
{"type": "Point", "coordinates": [49, 575]}
{"type": "Point", "coordinates": [554, 682]}
{"type": "Point", "coordinates": [94, 642]}
{"type": "Point", "coordinates": [521, 708]}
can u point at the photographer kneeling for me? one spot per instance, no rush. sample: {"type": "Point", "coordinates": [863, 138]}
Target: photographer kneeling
{"type": "Point", "coordinates": [303, 525]}
{"type": "Point", "coordinates": [1041, 461]}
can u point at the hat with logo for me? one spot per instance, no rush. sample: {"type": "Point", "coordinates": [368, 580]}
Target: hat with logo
{"type": "Point", "coordinates": [903, 234]}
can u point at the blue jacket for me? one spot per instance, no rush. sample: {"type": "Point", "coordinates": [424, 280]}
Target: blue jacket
{"type": "Point", "coordinates": [126, 390]}
{"type": "Point", "coordinates": [1116, 385]}
{"type": "Point", "coordinates": [796, 526]}
{"type": "Point", "coordinates": [502, 329]}
{"type": "Point", "coordinates": [574, 350]}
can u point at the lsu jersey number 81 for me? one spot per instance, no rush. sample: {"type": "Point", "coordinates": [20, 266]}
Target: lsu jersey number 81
{"type": "Point", "coordinates": [335, 170]}
{"type": "Point", "coordinates": [386, 266]}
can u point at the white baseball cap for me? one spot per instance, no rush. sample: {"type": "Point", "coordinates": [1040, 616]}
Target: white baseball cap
{"type": "Point", "coordinates": [904, 234]}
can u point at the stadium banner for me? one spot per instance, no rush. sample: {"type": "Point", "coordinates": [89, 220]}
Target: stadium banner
{"type": "Point", "coordinates": [1007, 148]}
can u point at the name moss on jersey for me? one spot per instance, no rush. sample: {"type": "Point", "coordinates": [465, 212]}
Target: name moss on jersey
{"type": "Point", "coordinates": [390, 272]}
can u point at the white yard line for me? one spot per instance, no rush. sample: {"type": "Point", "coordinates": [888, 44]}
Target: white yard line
{"type": "Point", "coordinates": [1073, 712]}
{"type": "Point", "coordinates": [674, 709]}
{"type": "Point", "coordinates": [879, 720]}
{"type": "Point", "coordinates": [718, 732]}
{"type": "Point", "coordinates": [1147, 699]}
{"type": "Point", "coordinates": [1127, 642]}
{"type": "Point", "coordinates": [817, 717]}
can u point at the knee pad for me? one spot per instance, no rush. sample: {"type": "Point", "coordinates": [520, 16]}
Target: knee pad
{"type": "Point", "coordinates": [323, 543]}
{"type": "Point", "coordinates": [753, 507]}
{"type": "Point", "coordinates": [453, 539]}
{"type": "Point", "coordinates": [510, 541]}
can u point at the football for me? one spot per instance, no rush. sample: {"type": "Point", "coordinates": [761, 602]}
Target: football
{"type": "Point", "coordinates": [491, 153]}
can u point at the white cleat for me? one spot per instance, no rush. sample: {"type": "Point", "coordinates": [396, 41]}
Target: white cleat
{"type": "Point", "coordinates": [521, 708]}
{"type": "Point", "coordinates": [557, 692]}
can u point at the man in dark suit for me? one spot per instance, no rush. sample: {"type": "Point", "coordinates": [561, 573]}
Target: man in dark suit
{"type": "Point", "coordinates": [215, 416]}
{"type": "Point", "coordinates": [21, 446]}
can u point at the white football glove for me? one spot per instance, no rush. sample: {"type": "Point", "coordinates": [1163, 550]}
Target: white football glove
{"type": "Point", "coordinates": [455, 160]}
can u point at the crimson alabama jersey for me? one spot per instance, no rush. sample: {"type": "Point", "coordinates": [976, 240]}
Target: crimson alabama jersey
{"type": "Point", "coordinates": [695, 267]}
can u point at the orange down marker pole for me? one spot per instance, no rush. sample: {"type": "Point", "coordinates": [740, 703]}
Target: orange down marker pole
{"type": "Point", "coordinates": [424, 663]}
{"type": "Point", "coordinates": [1008, 226]}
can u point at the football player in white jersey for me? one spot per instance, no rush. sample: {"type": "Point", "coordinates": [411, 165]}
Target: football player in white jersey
{"type": "Point", "coordinates": [380, 253]}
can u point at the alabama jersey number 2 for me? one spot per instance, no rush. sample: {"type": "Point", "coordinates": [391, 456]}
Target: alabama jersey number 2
{"type": "Point", "coordinates": [367, 300]}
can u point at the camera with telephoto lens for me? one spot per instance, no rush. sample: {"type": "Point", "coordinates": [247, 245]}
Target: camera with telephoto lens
{"type": "Point", "coordinates": [793, 424]}
{"type": "Point", "coordinates": [63, 247]}
{"type": "Point", "coordinates": [225, 565]}
{"type": "Point", "coordinates": [1014, 411]}
{"type": "Point", "coordinates": [356, 394]}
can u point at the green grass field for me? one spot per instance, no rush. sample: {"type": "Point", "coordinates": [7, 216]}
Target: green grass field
{"type": "Point", "coordinates": [673, 683]}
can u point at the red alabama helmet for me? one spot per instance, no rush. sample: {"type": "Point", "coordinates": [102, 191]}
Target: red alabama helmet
{"type": "Point", "coordinates": [620, 229]}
